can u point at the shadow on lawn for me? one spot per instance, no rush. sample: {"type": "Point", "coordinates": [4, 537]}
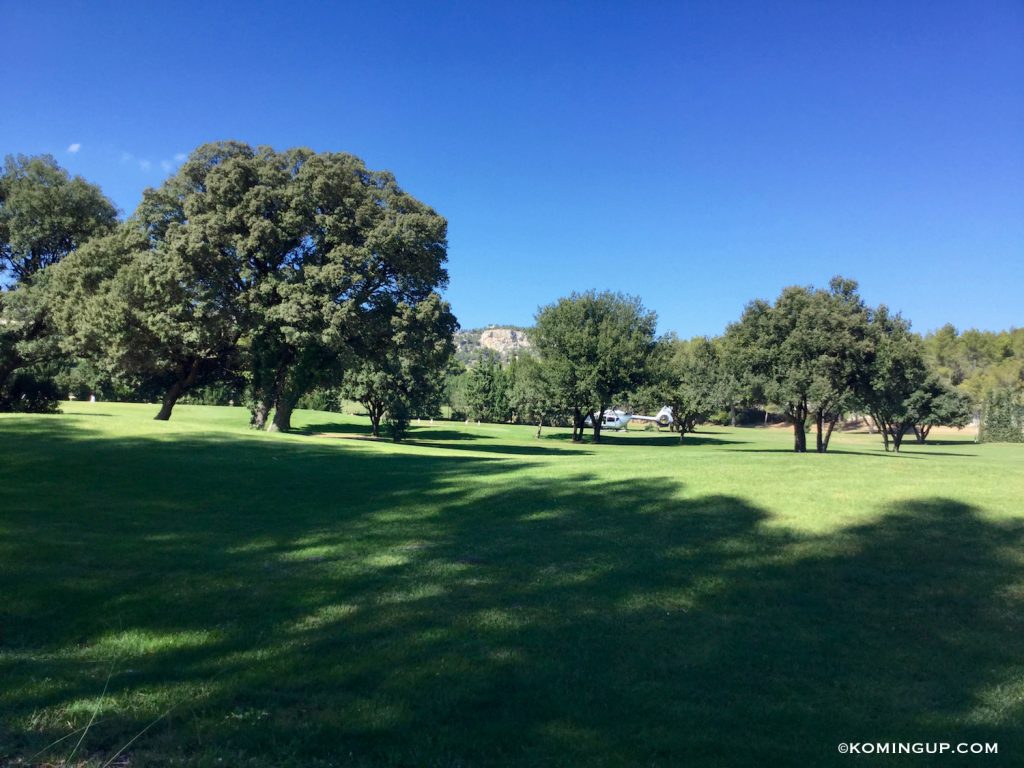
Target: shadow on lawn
{"type": "Point", "coordinates": [305, 604]}
{"type": "Point", "coordinates": [363, 428]}
{"type": "Point", "coordinates": [872, 451]}
{"type": "Point", "coordinates": [637, 437]}
{"type": "Point", "coordinates": [503, 448]}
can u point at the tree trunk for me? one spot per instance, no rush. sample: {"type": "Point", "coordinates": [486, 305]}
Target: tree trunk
{"type": "Point", "coordinates": [375, 416]}
{"type": "Point", "coordinates": [577, 425]}
{"type": "Point", "coordinates": [260, 411]}
{"type": "Point", "coordinates": [799, 416]}
{"type": "Point", "coordinates": [732, 415]}
{"type": "Point", "coordinates": [540, 423]}
{"type": "Point", "coordinates": [170, 398]}
{"type": "Point", "coordinates": [897, 437]}
{"type": "Point", "coordinates": [597, 420]}
{"type": "Point", "coordinates": [282, 415]}
{"type": "Point", "coordinates": [819, 429]}
{"type": "Point", "coordinates": [176, 390]}
{"type": "Point", "coordinates": [828, 434]}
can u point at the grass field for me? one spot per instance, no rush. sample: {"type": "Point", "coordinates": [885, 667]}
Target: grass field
{"type": "Point", "coordinates": [204, 595]}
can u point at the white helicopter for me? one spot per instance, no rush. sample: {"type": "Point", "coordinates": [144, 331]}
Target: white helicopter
{"type": "Point", "coordinates": [616, 419]}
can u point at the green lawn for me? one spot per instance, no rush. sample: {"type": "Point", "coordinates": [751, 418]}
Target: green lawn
{"type": "Point", "coordinates": [218, 597]}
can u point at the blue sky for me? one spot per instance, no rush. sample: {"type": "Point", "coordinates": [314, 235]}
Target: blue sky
{"type": "Point", "coordinates": [699, 154]}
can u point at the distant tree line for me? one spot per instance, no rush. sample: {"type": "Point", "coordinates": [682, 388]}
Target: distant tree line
{"type": "Point", "coordinates": [273, 273]}
{"type": "Point", "coordinates": [815, 355]}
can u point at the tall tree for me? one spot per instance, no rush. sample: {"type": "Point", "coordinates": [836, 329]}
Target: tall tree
{"type": "Point", "coordinates": [231, 226]}
{"type": "Point", "coordinates": [368, 247]}
{"type": "Point", "coordinates": [594, 347]}
{"type": "Point", "coordinates": [280, 264]}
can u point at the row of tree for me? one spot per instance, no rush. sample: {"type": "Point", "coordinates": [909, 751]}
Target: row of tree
{"type": "Point", "coordinates": [281, 272]}
{"type": "Point", "coordinates": [815, 355]}
{"type": "Point", "coordinates": [277, 274]}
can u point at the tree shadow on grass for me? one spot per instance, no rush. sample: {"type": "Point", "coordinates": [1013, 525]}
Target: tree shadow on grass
{"type": "Point", "coordinates": [878, 453]}
{"type": "Point", "coordinates": [503, 448]}
{"type": "Point", "coordinates": [297, 604]}
{"type": "Point", "coordinates": [691, 438]}
{"type": "Point", "coordinates": [635, 437]}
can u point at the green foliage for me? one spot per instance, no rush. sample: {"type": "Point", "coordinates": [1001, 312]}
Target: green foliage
{"type": "Point", "coordinates": [687, 376]}
{"type": "Point", "coordinates": [531, 395]}
{"type": "Point", "coordinates": [27, 391]}
{"type": "Point", "coordinates": [1002, 418]}
{"type": "Point", "coordinates": [805, 353]}
{"type": "Point", "coordinates": [405, 376]}
{"type": "Point", "coordinates": [896, 372]}
{"type": "Point", "coordinates": [935, 403]}
{"type": "Point", "coordinates": [284, 267]}
{"type": "Point", "coordinates": [45, 214]}
{"type": "Point", "coordinates": [487, 389]}
{"type": "Point", "coordinates": [151, 318]}
{"type": "Point", "coordinates": [322, 399]}
{"type": "Point", "coordinates": [593, 347]}
{"type": "Point", "coordinates": [978, 362]}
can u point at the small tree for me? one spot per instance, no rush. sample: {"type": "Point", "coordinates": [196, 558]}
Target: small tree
{"type": "Point", "coordinates": [593, 347]}
{"type": "Point", "coordinates": [531, 394]}
{"type": "Point", "coordinates": [487, 388]}
{"type": "Point", "coordinates": [407, 373]}
{"type": "Point", "coordinates": [1002, 417]}
{"type": "Point", "coordinates": [686, 376]}
{"type": "Point", "coordinates": [936, 404]}
{"type": "Point", "coordinates": [894, 377]}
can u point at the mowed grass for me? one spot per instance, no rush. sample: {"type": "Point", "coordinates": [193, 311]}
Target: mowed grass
{"type": "Point", "coordinates": [198, 594]}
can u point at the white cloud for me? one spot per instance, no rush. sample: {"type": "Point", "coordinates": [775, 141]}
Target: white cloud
{"type": "Point", "coordinates": [126, 156]}
{"type": "Point", "coordinates": [72, 148]}
{"type": "Point", "coordinates": [180, 157]}
{"type": "Point", "coordinates": [145, 165]}
{"type": "Point", "coordinates": [165, 164]}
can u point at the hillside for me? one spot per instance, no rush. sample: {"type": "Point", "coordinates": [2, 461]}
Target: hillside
{"type": "Point", "coordinates": [505, 340]}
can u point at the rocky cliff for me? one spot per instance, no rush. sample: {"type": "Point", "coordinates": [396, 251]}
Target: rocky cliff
{"type": "Point", "coordinates": [505, 341]}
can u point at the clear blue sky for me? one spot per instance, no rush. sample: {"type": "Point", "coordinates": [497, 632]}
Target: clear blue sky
{"type": "Point", "coordinates": [699, 154]}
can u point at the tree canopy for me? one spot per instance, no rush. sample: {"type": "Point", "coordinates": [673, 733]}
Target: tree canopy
{"type": "Point", "coordinates": [284, 267]}
{"type": "Point", "coordinates": [45, 214]}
